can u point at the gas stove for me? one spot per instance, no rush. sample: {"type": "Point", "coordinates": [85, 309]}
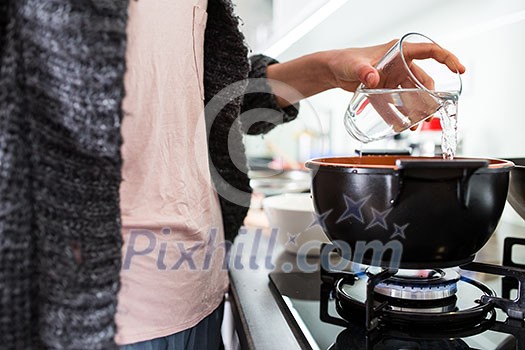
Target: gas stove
{"type": "Point", "coordinates": [474, 306]}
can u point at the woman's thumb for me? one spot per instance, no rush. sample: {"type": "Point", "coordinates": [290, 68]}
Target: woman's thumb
{"type": "Point", "coordinates": [368, 75]}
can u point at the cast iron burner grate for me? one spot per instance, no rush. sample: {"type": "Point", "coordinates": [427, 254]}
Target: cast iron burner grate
{"type": "Point", "coordinates": [514, 278]}
{"type": "Point", "coordinates": [377, 300]}
{"type": "Point", "coordinates": [357, 297]}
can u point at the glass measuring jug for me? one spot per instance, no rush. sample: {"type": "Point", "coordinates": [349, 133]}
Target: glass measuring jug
{"type": "Point", "coordinates": [410, 90]}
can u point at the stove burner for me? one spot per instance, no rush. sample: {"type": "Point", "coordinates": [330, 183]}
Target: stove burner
{"type": "Point", "coordinates": [420, 299]}
{"type": "Point", "coordinates": [458, 309]}
{"type": "Point", "coordinates": [420, 285]}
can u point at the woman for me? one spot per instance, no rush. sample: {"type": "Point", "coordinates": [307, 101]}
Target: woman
{"type": "Point", "coordinates": [65, 67]}
{"type": "Point", "coordinates": [181, 307]}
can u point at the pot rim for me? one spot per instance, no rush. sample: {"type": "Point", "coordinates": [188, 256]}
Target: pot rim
{"type": "Point", "coordinates": [518, 162]}
{"type": "Point", "coordinates": [346, 162]}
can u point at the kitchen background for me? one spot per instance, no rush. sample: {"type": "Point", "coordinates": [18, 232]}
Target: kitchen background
{"type": "Point", "coordinates": [487, 35]}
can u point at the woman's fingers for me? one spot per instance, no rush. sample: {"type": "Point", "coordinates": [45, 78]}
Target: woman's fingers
{"type": "Point", "coordinates": [429, 50]}
{"type": "Point", "coordinates": [422, 76]}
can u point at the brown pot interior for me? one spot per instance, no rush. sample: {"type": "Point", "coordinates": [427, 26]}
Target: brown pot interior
{"type": "Point", "coordinates": [390, 161]}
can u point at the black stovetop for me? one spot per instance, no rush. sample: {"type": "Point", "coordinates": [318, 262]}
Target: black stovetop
{"type": "Point", "coordinates": [311, 310]}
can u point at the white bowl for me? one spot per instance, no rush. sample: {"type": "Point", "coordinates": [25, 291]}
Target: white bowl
{"type": "Point", "coordinates": [293, 215]}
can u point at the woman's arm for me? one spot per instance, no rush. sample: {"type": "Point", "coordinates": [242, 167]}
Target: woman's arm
{"type": "Point", "coordinates": [261, 111]}
{"type": "Point", "coordinates": [346, 69]}
{"type": "Point", "coordinates": [276, 88]}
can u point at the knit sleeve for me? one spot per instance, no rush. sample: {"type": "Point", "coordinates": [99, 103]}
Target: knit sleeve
{"type": "Point", "coordinates": [260, 111]}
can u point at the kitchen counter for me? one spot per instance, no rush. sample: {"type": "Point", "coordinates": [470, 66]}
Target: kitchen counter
{"type": "Point", "coordinates": [260, 322]}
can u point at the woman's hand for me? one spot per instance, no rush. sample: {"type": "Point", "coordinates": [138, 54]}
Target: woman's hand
{"type": "Point", "coordinates": [346, 69]}
{"type": "Point", "coordinates": [350, 67]}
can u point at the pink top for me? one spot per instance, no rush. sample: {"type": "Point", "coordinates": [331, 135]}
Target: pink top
{"type": "Point", "coordinates": [172, 275]}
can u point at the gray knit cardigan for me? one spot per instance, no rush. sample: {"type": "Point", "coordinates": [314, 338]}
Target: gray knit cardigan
{"type": "Point", "coordinates": [61, 87]}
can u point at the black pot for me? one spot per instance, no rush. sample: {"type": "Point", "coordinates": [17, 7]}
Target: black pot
{"type": "Point", "coordinates": [516, 196]}
{"type": "Point", "coordinates": [409, 212]}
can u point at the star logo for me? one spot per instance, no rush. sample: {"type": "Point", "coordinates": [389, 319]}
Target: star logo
{"type": "Point", "coordinates": [399, 231]}
{"type": "Point", "coordinates": [319, 220]}
{"type": "Point", "coordinates": [292, 239]}
{"type": "Point", "coordinates": [379, 218]}
{"type": "Point", "coordinates": [353, 209]}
